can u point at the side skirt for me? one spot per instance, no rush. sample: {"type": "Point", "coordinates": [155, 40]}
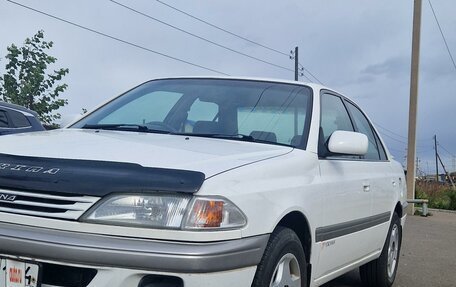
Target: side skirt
{"type": "Point", "coordinates": [336, 273]}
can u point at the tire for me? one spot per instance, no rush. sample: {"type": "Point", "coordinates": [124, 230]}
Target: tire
{"type": "Point", "coordinates": [283, 263]}
{"type": "Point", "coordinates": [382, 271]}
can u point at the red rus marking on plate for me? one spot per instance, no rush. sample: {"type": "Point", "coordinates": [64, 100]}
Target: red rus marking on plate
{"type": "Point", "coordinates": [15, 275]}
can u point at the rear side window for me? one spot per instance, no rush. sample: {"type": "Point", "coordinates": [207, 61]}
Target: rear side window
{"type": "Point", "coordinates": [363, 126]}
{"type": "Point", "coordinates": [381, 149]}
{"type": "Point", "coordinates": [3, 120]}
{"type": "Point", "coordinates": [19, 120]}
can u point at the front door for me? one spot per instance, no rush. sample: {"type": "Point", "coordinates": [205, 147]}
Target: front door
{"type": "Point", "coordinates": [347, 194]}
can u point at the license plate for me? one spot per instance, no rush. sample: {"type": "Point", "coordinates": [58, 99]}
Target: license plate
{"type": "Point", "coordinates": [14, 273]}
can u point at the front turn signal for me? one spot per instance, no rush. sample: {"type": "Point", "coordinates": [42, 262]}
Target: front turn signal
{"type": "Point", "coordinates": [214, 213]}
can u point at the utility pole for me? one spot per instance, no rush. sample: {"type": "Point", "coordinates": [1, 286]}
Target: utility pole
{"type": "Point", "coordinates": [413, 106]}
{"type": "Point", "coordinates": [447, 173]}
{"type": "Point", "coordinates": [296, 58]}
{"type": "Point", "coordinates": [436, 159]}
{"type": "Point", "coordinates": [418, 169]}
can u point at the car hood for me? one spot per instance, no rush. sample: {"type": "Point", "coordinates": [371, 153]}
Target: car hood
{"type": "Point", "coordinates": [207, 155]}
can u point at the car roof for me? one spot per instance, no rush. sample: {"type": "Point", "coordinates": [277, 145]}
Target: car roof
{"type": "Point", "coordinates": [315, 86]}
{"type": "Point", "coordinates": [17, 108]}
{"type": "Point", "coordinates": [259, 79]}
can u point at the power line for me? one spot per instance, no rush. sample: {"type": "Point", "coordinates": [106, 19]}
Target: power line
{"type": "Point", "coordinates": [443, 35]}
{"type": "Point", "coordinates": [222, 29]}
{"type": "Point", "coordinates": [301, 74]}
{"type": "Point", "coordinates": [304, 69]}
{"type": "Point", "coordinates": [298, 71]}
{"type": "Point", "coordinates": [396, 150]}
{"type": "Point", "coordinates": [200, 37]}
{"type": "Point", "coordinates": [116, 39]}
{"type": "Point", "coordinates": [405, 139]}
{"type": "Point", "coordinates": [404, 142]}
{"type": "Point", "coordinates": [396, 134]}
{"type": "Point", "coordinates": [238, 36]}
{"type": "Point", "coordinates": [442, 147]}
{"type": "Point", "coordinates": [425, 150]}
{"type": "Point", "coordinates": [390, 137]}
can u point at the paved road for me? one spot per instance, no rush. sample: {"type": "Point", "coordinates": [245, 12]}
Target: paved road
{"type": "Point", "coordinates": [428, 256]}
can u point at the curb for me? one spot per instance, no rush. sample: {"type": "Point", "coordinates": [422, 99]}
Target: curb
{"type": "Point", "coordinates": [442, 210]}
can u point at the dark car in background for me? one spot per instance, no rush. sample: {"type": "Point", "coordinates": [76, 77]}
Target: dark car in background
{"type": "Point", "coordinates": [16, 119]}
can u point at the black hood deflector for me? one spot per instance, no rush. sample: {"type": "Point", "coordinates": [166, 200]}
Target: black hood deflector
{"type": "Point", "coordinates": [89, 177]}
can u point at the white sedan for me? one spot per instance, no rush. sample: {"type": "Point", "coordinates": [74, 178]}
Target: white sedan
{"type": "Point", "coordinates": [203, 182]}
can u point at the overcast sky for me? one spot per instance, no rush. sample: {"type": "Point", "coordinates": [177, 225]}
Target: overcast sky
{"type": "Point", "coordinates": [360, 48]}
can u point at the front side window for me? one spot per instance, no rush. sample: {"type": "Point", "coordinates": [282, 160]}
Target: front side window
{"type": "Point", "coordinates": [265, 112]}
{"type": "Point", "coordinates": [334, 117]}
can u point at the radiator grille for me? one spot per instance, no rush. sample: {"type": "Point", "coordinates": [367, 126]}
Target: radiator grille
{"type": "Point", "coordinates": [45, 205]}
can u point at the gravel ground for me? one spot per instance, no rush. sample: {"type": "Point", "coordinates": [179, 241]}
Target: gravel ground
{"type": "Point", "coordinates": [428, 256]}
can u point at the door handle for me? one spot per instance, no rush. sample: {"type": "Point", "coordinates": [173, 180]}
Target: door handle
{"type": "Point", "coordinates": [366, 187]}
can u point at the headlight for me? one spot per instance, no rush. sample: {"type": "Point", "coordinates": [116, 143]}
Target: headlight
{"type": "Point", "coordinates": [157, 211]}
{"type": "Point", "coordinates": [167, 211]}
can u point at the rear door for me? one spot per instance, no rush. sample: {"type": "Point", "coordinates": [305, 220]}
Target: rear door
{"type": "Point", "coordinates": [382, 180]}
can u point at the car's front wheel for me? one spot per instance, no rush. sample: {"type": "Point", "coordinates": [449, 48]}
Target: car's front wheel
{"type": "Point", "coordinates": [283, 263]}
{"type": "Point", "coordinates": [382, 271]}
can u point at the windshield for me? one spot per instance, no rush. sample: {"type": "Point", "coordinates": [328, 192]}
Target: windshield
{"type": "Point", "coordinates": [266, 112]}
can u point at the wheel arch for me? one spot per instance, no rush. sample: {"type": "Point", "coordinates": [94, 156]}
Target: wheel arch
{"type": "Point", "coordinates": [297, 221]}
{"type": "Point", "coordinates": [399, 210]}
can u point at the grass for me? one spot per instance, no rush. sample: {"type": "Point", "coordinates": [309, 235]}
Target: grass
{"type": "Point", "coordinates": [440, 196]}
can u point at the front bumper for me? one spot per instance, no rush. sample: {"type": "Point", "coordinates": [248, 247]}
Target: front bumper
{"type": "Point", "coordinates": [185, 259]}
{"type": "Point", "coordinates": [121, 277]}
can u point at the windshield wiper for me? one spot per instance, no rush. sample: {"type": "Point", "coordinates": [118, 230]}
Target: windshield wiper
{"type": "Point", "coordinates": [124, 127]}
{"type": "Point", "coordinates": [238, 137]}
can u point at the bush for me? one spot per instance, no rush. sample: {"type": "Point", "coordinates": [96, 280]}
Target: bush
{"type": "Point", "coordinates": [452, 197]}
{"type": "Point", "coordinates": [439, 196]}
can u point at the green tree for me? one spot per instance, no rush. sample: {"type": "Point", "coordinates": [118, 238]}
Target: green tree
{"type": "Point", "coordinates": [28, 81]}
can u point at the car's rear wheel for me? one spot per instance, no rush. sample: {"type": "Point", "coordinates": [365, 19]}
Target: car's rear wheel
{"type": "Point", "coordinates": [283, 263]}
{"type": "Point", "coordinates": [382, 271]}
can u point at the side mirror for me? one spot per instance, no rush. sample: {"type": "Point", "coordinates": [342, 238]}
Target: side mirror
{"type": "Point", "coordinates": [348, 143]}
